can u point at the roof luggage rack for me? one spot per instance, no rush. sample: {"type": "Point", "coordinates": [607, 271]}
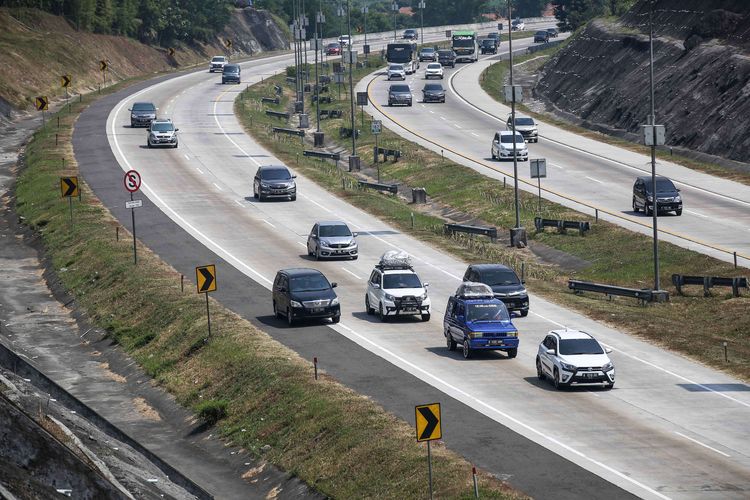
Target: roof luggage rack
{"type": "Point", "coordinates": [394, 259]}
{"type": "Point", "coordinates": [471, 290]}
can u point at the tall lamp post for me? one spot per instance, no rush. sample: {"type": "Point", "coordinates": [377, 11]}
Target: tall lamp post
{"type": "Point", "coordinates": [421, 21]}
{"type": "Point", "coordinates": [366, 50]}
{"type": "Point", "coordinates": [653, 142]}
{"type": "Point", "coordinates": [319, 19]}
{"type": "Point", "coordinates": [517, 234]}
{"type": "Point", "coordinates": [351, 85]}
{"type": "Point", "coordinates": [394, 8]}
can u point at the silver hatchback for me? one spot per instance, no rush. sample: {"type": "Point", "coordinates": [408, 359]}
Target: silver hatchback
{"type": "Point", "coordinates": [332, 239]}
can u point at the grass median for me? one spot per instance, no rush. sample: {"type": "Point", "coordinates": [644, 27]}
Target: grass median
{"type": "Point", "coordinates": [690, 324]}
{"type": "Point", "coordinates": [260, 395]}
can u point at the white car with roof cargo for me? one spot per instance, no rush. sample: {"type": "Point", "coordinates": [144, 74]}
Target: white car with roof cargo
{"type": "Point", "coordinates": [394, 289]}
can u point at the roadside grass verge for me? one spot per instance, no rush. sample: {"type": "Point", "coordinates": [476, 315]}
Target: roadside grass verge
{"type": "Point", "coordinates": [690, 324]}
{"type": "Point", "coordinates": [495, 77]}
{"type": "Point", "coordinates": [261, 395]}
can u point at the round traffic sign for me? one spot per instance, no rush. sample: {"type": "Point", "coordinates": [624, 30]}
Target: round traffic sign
{"type": "Point", "coordinates": [132, 181]}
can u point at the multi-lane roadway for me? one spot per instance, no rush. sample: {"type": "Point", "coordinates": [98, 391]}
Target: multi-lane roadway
{"type": "Point", "coordinates": [671, 428]}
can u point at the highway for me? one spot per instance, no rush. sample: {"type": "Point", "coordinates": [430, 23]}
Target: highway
{"type": "Point", "coordinates": [671, 428]}
{"type": "Point", "coordinates": [582, 173]}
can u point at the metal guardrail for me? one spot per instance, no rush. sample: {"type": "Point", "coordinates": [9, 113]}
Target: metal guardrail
{"type": "Point", "coordinates": [330, 113]}
{"type": "Point", "coordinates": [562, 225]}
{"type": "Point", "coordinates": [542, 46]}
{"type": "Point", "coordinates": [643, 295]}
{"type": "Point", "coordinates": [321, 154]}
{"type": "Point", "coordinates": [289, 131]}
{"type": "Point", "coordinates": [277, 89]}
{"type": "Point", "coordinates": [277, 114]}
{"type": "Point", "coordinates": [345, 132]}
{"type": "Point", "coordinates": [491, 232]}
{"type": "Point", "coordinates": [395, 153]}
{"type": "Point", "coordinates": [390, 188]}
{"type": "Point", "coordinates": [680, 280]}
{"type": "Point", "coordinates": [324, 99]}
{"type": "Point", "coordinates": [271, 100]}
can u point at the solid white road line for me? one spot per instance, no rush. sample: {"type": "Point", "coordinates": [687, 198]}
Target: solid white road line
{"type": "Point", "coordinates": [264, 220]}
{"type": "Point", "coordinates": [474, 134]}
{"type": "Point", "coordinates": [595, 180]}
{"type": "Point", "coordinates": [697, 213]}
{"type": "Point", "coordinates": [701, 444]}
{"type": "Point", "coordinates": [187, 157]}
{"type": "Point", "coordinates": [456, 125]}
{"type": "Point", "coordinates": [199, 170]}
{"type": "Point", "coordinates": [239, 203]}
{"type": "Point", "coordinates": [217, 186]}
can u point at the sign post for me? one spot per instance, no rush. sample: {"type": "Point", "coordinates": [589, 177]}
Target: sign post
{"type": "Point", "coordinates": [205, 278]}
{"type": "Point", "coordinates": [538, 170]}
{"type": "Point", "coordinates": [69, 189]}
{"type": "Point", "coordinates": [42, 104]}
{"type": "Point", "coordinates": [427, 418]}
{"type": "Point", "coordinates": [65, 83]}
{"type": "Point", "coordinates": [132, 183]}
{"type": "Point", "coordinates": [103, 66]}
{"type": "Point", "coordinates": [362, 102]}
{"type": "Point", "coordinates": [376, 128]}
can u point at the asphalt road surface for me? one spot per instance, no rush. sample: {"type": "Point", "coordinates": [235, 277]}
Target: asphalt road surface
{"type": "Point", "coordinates": [670, 428]}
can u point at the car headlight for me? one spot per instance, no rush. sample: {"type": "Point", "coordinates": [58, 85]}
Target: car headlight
{"type": "Point", "coordinates": [650, 198]}
{"type": "Point", "coordinates": [325, 243]}
{"type": "Point", "coordinates": [294, 303]}
{"type": "Point", "coordinates": [567, 367]}
{"type": "Point", "coordinates": [335, 301]}
{"type": "Point", "coordinates": [678, 198]}
{"type": "Point", "coordinates": [512, 334]}
{"type": "Point", "coordinates": [389, 297]}
{"type": "Point", "coordinates": [423, 296]}
{"type": "Point", "coordinates": [608, 366]}
{"type": "Point", "coordinates": [475, 335]}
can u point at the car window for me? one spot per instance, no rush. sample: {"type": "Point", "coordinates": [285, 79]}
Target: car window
{"type": "Point", "coordinates": [275, 174]}
{"type": "Point", "coordinates": [434, 66]}
{"type": "Point", "coordinates": [524, 121]}
{"type": "Point", "coordinates": [218, 59]}
{"type": "Point", "coordinates": [433, 86]}
{"type": "Point", "coordinates": [231, 68]}
{"type": "Point", "coordinates": [396, 67]}
{"type": "Point", "coordinates": [508, 138]}
{"type": "Point", "coordinates": [162, 127]}
{"type": "Point", "coordinates": [664, 185]}
{"type": "Point", "coordinates": [144, 106]}
{"type": "Point", "coordinates": [333, 230]}
{"type": "Point", "coordinates": [375, 278]}
{"type": "Point", "coordinates": [309, 283]}
{"type": "Point", "coordinates": [401, 280]}
{"type": "Point", "coordinates": [580, 346]}
{"type": "Point", "coordinates": [487, 312]}
{"type": "Point", "coordinates": [400, 88]}
{"type": "Point", "coordinates": [499, 277]}
{"type": "Point", "coordinates": [460, 309]}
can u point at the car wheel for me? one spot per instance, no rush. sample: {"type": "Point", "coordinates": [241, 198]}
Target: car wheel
{"type": "Point", "coordinates": [539, 372]}
{"type": "Point", "coordinates": [276, 313]}
{"type": "Point", "coordinates": [649, 210]}
{"type": "Point", "coordinates": [255, 194]}
{"type": "Point", "coordinates": [381, 314]}
{"type": "Point", "coordinates": [261, 197]}
{"type": "Point", "coordinates": [556, 380]}
{"type": "Point", "coordinates": [524, 313]}
{"type": "Point", "coordinates": [336, 319]}
{"type": "Point", "coordinates": [467, 349]}
{"type": "Point", "coordinates": [426, 317]}
{"type": "Point", "coordinates": [512, 353]}
{"type": "Point", "coordinates": [289, 317]}
{"type": "Point", "coordinates": [293, 197]}
{"type": "Point", "coordinates": [410, 104]}
{"type": "Point", "coordinates": [493, 155]}
{"type": "Point", "coordinates": [317, 253]}
{"type": "Point", "coordinates": [370, 311]}
{"type": "Point", "coordinates": [450, 343]}
{"type": "Point", "coordinates": [678, 212]}
{"type": "Point", "coordinates": [175, 146]}
{"type": "Point", "coordinates": [635, 207]}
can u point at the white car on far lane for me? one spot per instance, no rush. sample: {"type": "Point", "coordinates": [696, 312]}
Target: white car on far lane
{"type": "Point", "coordinates": [396, 71]}
{"type": "Point", "coordinates": [434, 70]}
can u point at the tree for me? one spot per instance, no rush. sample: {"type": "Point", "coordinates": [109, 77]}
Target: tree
{"type": "Point", "coordinates": [572, 14]}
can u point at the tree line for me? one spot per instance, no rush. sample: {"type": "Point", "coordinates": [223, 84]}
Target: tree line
{"type": "Point", "coordinates": [150, 21]}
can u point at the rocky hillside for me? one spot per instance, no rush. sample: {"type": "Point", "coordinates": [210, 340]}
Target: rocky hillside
{"type": "Point", "coordinates": [702, 75]}
{"type": "Point", "coordinates": [36, 48]}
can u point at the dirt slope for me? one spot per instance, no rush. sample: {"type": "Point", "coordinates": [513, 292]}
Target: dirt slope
{"type": "Point", "coordinates": [702, 75]}
{"type": "Point", "coordinates": [36, 48]}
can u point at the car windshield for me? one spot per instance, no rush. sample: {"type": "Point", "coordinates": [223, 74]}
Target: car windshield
{"type": "Point", "coordinates": [218, 59]}
{"type": "Point", "coordinates": [162, 127]}
{"type": "Point", "coordinates": [580, 346]}
{"type": "Point", "coordinates": [499, 277]}
{"type": "Point", "coordinates": [524, 121]}
{"type": "Point", "coordinates": [231, 68]}
{"type": "Point", "coordinates": [334, 230]}
{"type": "Point", "coordinates": [333, 45]}
{"type": "Point", "coordinates": [542, 33]}
{"type": "Point", "coordinates": [433, 86]}
{"type": "Point", "coordinates": [508, 139]}
{"type": "Point", "coordinates": [143, 106]}
{"type": "Point", "coordinates": [662, 185]}
{"type": "Point", "coordinates": [396, 67]}
{"type": "Point", "coordinates": [494, 35]}
{"type": "Point", "coordinates": [495, 311]}
{"type": "Point", "coordinates": [401, 280]}
{"type": "Point", "coordinates": [400, 88]}
{"type": "Point", "coordinates": [428, 50]}
{"type": "Point", "coordinates": [275, 174]}
{"type": "Point", "coordinates": [434, 66]}
{"type": "Point", "coordinates": [309, 283]}
{"type": "Point", "coordinates": [488, 43]}
{"type": "Point", "coordinates": [463, 42]}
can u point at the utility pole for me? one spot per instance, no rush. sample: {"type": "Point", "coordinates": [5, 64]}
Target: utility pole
{"type": "Point", "coordinates": [517, 230]}
{"type": "Point", "coordinates": [318, 16]}
{"type": "Point", "coordinates": [421, 21]}
{"type": "Point", "coordinates": [365, 10]}
{"type": "Point", "coordinates": [652, 122]}
{"type": "Point", "coordinates": [351, 85]}
{"type": "Point", "coordinates": [394, 8]}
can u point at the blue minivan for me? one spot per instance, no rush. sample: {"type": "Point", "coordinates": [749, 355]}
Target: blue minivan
{"type": "Point", "coordinates": [476, 320]}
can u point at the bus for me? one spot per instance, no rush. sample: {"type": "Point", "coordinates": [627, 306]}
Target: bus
{"type": "Point", "coordinates": [465, 45]}
{"type": "Point", "coordinates": [403, 53]}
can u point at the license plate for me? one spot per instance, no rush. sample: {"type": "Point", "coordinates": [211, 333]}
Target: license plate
{"type": "Point", "coordinates": [316, 310]}
{"type": "Point", "coordinates": [496, 342]}
{"type": "Point", "coordinates": [589, 375]}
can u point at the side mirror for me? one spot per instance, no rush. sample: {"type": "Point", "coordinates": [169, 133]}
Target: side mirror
{"type": "Point", "coordinates": [607, 350]}
{"type": "Point", "coordinates": [551, 352]}
{"type": "Point", "coordinates": [523, 282]}
{"type": "Point", "coordinates": [334, 284]}
{"type": "Point", "coordinates": [460, 318]}
{"type": "Point", "coordinates": [176, 130]}
{"type": "Point", "coordinates": [376, 286]}
{"type": "Point", "coordinates": [425, 285]}
{"type": "Point", "coordinates": [678, 190]}
{"type": "Point", "coordinates": [294, 177]}
{"type": "Point", "coordinates": [130, 109]}
{"type": "Point", "coordinates": [355, 234]}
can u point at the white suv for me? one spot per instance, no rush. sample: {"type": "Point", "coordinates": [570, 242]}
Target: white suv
{"type": "Point", "coordinates": [394, 289]}
{"type": "Point", "coordinates": [502, 146]}
{"type": "Point", "coordinates": [217, 64]}
{"type": "Point", "coordinates": [574, 357]}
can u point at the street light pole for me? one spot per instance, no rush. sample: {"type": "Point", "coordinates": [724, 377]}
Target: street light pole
{"type": "Point", "coordinates": [365, 10]}
{"type": "Point", "coordinates": [351, 85]}
{"type": "Point", "coordinates": [394, 8]}
{"type": "Point", "coordinates": [318, 16]}
{"type": "Point", "coordinates": [421, 21]}
{"type": "Point", "coordinates": [513, 118]}
{"type": "Point", "coordinates": [652, 120]}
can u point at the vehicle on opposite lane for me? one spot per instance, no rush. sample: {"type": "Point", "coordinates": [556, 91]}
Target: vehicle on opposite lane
{"type": "Point", "coordinates": [476, 320]}
{"type": "Point", "coordinates": [433, 92]}
{"type": "Point", "coordinates": [394, 289]}
{"type": "Point", "coordinates": [399, 94]}
{"type": "Point", "coordinates": [410, 34]}
{"type": "Point", "coordinates": [344, 40]}
{"type": "Point", "coordinates": [162, 132]}
{"type": "Point", "coordinates": [502, 146]}
{"type": "Point", "coordinates": [217, 63]}
{"type": "Point", "coordinates": [553, 33]}
{"type": "Point", "coordinates": [668, 197]}
{"type": "Point", "coordinates": [541, 36]}
{"type": "Point", "coordinates": [332, 239]}
{"type": "Point", "coordinates": [303, 293]}
{"type": "Point", "coordinates": [274, 181]}
{"type": "Point", "coordinates": [333, 48]}
{"type": "Point", "coordinates": [517, 25]}
{"type": "Point", "coordinates": [574, 357]}
{"type": "Point", "coordinates": [433, 70]}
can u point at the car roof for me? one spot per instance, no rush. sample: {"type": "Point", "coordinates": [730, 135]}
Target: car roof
{"type": "Point", "coordinates": [647, 178]}
{"type": "Point", "coordinates": [273, 167]}
{"type": "Point", "coordinates": [571, 334]}
{"type": "Point", "coordinates": [507, 132]}
{"type": "Point", "coordinates": [397, 271]}
{"type": "Point", "coordinates": [331, 223]}
{"type": "Point", "coordinates": [162, 120]}
{"type": "Point", "coordinates": [300, 271]}
{"type": "Point", "coordinates": [487, 267]}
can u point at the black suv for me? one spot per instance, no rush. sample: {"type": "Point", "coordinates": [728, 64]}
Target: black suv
{"type": "Point", "coordinates": [231, 74]}
{"type": "Point", "coordinates": [541, 36]}
{"type": "Point", "coordinates": [668, 197]}
{"type": "Point", "coordinates": [504, 283]}
{"type": "Point", "coordinates": [303, 293]}
{"type": "Point", "coordinates": [410, 34]}
{"type": "Point", "coordinates": [489, 46]}
{"type": "Point", "coordinates": [274, 181]}
{"type": "Point", "coordinates": [447, 58]}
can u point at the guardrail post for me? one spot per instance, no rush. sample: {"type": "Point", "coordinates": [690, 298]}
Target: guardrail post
{"type": "Point", "coordinates": [706, 286]}
{"type": "Point", "coordinates": [735, 260]}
